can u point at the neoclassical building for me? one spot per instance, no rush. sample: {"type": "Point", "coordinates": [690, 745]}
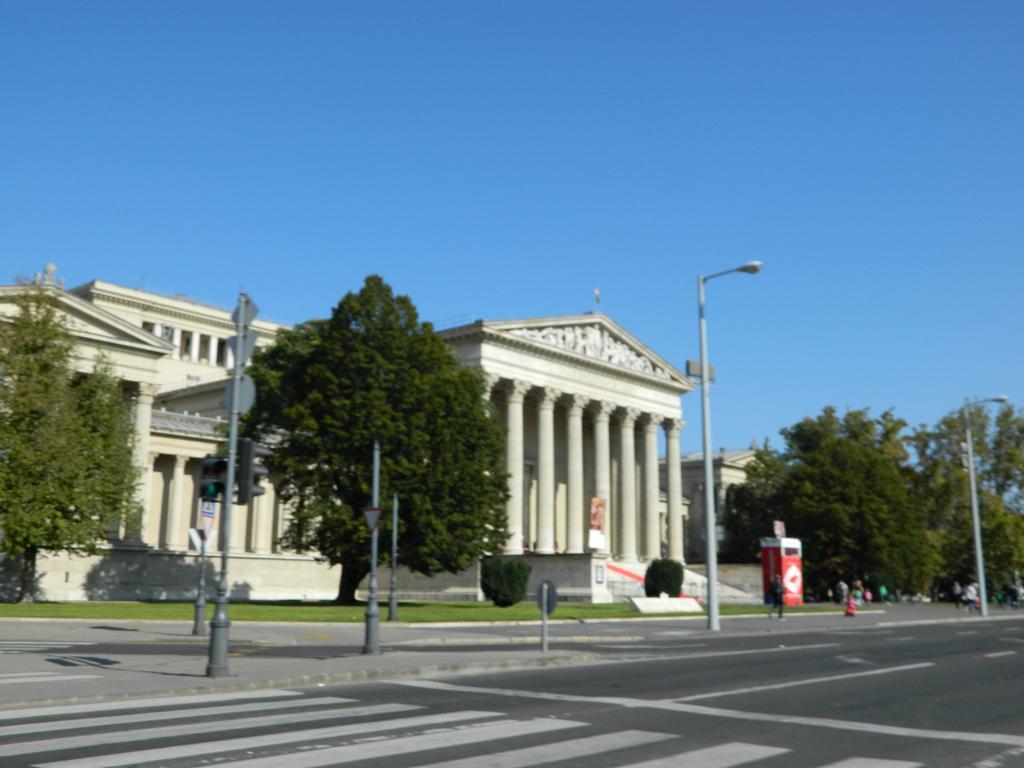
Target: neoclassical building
{"type": "Point", "coordinates": [588, 410]}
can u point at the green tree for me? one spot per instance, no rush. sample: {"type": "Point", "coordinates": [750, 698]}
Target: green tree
{"type": "Point", "coordinates": [68, 480]}
{"type": "Point", "coordinates": [328, 388]}
{"type": "Point", "coordinates": [843, 486]}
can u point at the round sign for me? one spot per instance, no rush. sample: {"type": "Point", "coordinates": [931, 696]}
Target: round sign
{"type": "Point", "coordinates": [552, 597]}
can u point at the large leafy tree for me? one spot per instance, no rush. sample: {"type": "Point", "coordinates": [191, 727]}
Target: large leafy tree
{"type": "Point", "coordinates": [842, 484]}
{"type": "Point", "coordinates": [941, 488]}
{"type": "Point", "coordinates": [67, 480]}
{"type": "Point", "coordinates": [372, 371]}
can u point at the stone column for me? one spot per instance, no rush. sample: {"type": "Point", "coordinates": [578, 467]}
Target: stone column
{"type": "Point", "coordinates": [652, 523]}
{"type": "Point", "coordinates": [627, 484]}
{"type": "Point", "coordinates": [193, 350]}
{"type": "Point", "coordinates": [176, 341]}
{"type": "Point", "coordinates": [602, 464]}
{"type": "Point", "coordinates": [674, 473]}
{"type": "Point", "coordinates": [143, 460]}
{"type": "Point", "coordinates": [546, 471]}
{"type": "Point", "coordinates": [576, 508]}
{"type": "Point", "coordinates": [177, 524]}
{"type": "Point", "coordinates": [515, 391]}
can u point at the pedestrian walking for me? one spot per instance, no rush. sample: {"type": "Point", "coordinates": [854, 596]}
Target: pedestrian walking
{"type": "Point", "coordinates": [776, 590]}
{"type": "Point", "coordinates": [842, 592]}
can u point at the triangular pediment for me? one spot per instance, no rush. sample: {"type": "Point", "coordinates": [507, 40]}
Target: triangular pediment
{"type": "Point", "coordinates": [593, 336]}
{"type": "Point", "coordinates": [91, 325]}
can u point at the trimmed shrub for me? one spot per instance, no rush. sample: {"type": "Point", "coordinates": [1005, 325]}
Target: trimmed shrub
{"type": "Point", "coordinates": [663, 576]}
{"type": "Point", "coordinates": [504, 580]}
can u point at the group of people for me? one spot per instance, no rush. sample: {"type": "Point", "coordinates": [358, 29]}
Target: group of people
{"type": "Point", "coordinates": [969, 597]}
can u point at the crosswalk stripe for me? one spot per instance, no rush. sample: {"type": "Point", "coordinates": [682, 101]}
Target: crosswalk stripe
{"type": "Point", "coordinates": [47, 677]}
{"type": "Point", "coordinates": [44, 644]}
{"type": "Point", "coordinates": [868, 762]}
{"type": "Point", "coordinates": [266, 740]}
{"type": "Point", "coordinates": [562, 750]}
{"type": "Point", "coordinates": [471, 734]}
{"type": "Point", "coordinates": [24, 674]}
{"type": "Point", "coordinates": [152, 701]}
{"type": "Point", "coordinates": [722, 756]}
{"type": "Point", "coordinates": [163, 732]}
{"type": "Point", "coordinates": [168, 714]}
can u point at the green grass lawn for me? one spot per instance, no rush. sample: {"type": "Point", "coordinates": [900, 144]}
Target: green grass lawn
{"type": "Point", "coordinates": [413, 612]}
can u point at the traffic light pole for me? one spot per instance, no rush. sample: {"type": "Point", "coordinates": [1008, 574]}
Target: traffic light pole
{"type": "Point", "coordinates": [218, 663]}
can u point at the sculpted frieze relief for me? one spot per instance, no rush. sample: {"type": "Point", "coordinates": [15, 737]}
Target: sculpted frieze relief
{"type": "Point", "coordinates": [594, 342]}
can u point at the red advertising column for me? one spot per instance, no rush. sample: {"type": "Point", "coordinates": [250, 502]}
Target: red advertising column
{"type": "Point", "coordinates": [783, 557]}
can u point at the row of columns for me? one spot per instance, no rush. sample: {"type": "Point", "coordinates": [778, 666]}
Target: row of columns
{"type": "Point", "coordinates": [627, 514]}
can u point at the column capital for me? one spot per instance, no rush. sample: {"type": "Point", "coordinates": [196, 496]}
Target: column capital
{"type": "Point", "coordinates": [490, 382]}
{"type": "Point", "coordinates": [147, 391]}
{"type": "Point", "coordinates": [652, 422]}
{"type": "Point", "coordinates": [516, 389]}
{"type": "Point", "coordinates": [546, 397]}
{"type": "Point", "coordinates": [674, 426]}
{"type": "Point", "coordinates": [629, 416]}
{"type": "Point", "coordinates": [576, 404]}
{"type": "Point", "coordinates": [179, 461]}
{"type": "Point", "coordinates": [152, 457]}
{"type": "Point", "coordinates": [603, 409]}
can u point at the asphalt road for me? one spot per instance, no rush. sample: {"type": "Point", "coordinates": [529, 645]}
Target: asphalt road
{"type": "Point", "coordinates": [944, 695]}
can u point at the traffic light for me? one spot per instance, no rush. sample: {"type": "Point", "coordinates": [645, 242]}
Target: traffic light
{"type": "Point", "coordinates": [214, 476]}
{"type": "Point", "coordinates": [249, 471]}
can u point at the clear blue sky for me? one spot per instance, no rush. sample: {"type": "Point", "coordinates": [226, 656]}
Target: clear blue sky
{"type": "Point", "coordinates": [502, 159]}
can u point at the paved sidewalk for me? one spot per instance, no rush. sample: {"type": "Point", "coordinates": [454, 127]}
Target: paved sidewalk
{"type": "Point", "coordinates": [50, 661]}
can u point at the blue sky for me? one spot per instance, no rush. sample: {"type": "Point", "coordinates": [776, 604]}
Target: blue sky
{"type": "Point", "coordinates": [502, 159]}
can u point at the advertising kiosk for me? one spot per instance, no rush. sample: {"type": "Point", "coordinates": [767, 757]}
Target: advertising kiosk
{"type": "Point", "coordinates": [783, 557]}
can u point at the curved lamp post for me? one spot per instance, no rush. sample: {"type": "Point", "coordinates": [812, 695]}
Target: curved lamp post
{"type": "Point", "coordinates": [979, 557]}
{"type": "Point", "coordinates": [710, 528]}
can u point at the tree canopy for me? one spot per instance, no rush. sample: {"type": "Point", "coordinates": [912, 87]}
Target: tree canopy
{"type": "Point", "coordinates": [872, 500]}
{"type": "Point", "coordinates": [372, 371]}
{"type": "Point", "coordinates": [68, 480]}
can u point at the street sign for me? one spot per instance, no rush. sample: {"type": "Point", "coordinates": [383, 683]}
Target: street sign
{"type": "Point", "coordinates": [246, 309]}
{"type": "Point", "coordinates": [246, 394]}
{"type": "Point", "coordinates": [248, 347]}
{"type": "Point", "coordinates": [207, 515]}
{"type": "Point", "coordinates": [372, 515]}
{"type": "Point", "coordinates": [198, 537]}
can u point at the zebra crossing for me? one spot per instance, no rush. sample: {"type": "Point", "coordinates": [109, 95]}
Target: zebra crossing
{"type": "Point", "coordinates": [270, 728]}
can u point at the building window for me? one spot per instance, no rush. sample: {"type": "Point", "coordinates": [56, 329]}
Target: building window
{"type": "Point", "coordinates": [222, 353]}
{"type": "Point", "coordinates": [148, 326]}
{"type": "Point", "coordinates": [185, 345]}
{"type": "Point", "coordinates": [204, 349]}
{"type": "Point", "coordinates": [167, 333]}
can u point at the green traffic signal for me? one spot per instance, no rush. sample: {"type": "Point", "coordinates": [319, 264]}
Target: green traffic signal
{"type": "Point", "coordinates": [213, 477]}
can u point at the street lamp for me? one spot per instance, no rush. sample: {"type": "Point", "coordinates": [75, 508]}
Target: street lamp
{"type": "Point", "coordinates": [979, 557]}
{"type": "Point", "coordinates": [710, 528]}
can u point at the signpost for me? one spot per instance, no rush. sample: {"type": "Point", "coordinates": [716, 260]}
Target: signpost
{"type": "Point", "coordinates": [372, 641]}
{"type": "Point", "coordinates": [199, 538]}
{"type": "Point", "coordinates": [547, 599]}
{"type": "Point", "coordinates": [392, 588]}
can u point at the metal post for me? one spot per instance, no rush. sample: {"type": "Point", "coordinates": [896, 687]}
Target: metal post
{"type": "Point", "coordinates": [199, 619]}
{"type": "Point", "coordinates": [392, 581]}
{"type": "Point", "coordinates": [544, 617]}
{"type": "Point", "coordinates": [979, 557]}
{"type": "Point", "coordinates": [710, 527]}
{"type": "Point", "coordinates": [372, 642]}
{"type": "Point", "coordinates": [218, 663]}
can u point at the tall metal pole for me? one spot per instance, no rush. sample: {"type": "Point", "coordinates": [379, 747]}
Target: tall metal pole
{"type": "Point", "coordinates": [392, 580]}
{"type": "Point", "coordinates": [199, 613]}
{"type": "Point", "coordinates": [979, 557]}
{"type": "Point", "coordinates": [372, 640]}
{"type": "Point", "coordinates": [218, 663]}
{"type": "Point", "coordinates": [710, 527]}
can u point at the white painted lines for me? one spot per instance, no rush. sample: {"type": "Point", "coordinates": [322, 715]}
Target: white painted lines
{"type": "Point", "coordinates": [997, 654]}
{"type": "Point", "coordinates": [221, 730]}
{"type": "Point", "coordinates": [20, 678]}
{"type": "Point", "coordinates": [723, 756]}
{"type": "Point", "coordinates": [572, 749]}
{"type": "Point", "coordinates": [32, 646]}
{"type": "Point", "coordinates": [968, 632]}
{"type": "Point", "coordinates": [852, 726]}
{"type": "Point", "coordinates": [806, 681]}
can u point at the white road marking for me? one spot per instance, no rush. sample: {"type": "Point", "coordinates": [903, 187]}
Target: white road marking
{"type": "Point", "coordinates": [971, 632]}
{"type": "Point", "coordinates": [472, 734]}
{"type": "Point", "coordinates": [722, 756]}
{"type": "Point", "coordinates": [1011, 640]}
{"type": "Point", "coordinates": [271, 739]}
{"type": "Point", "coordinates": [806, 681]}
{"type": "Point", "coordinates": [44, 644]}
{"type": "Point", "coordinates": [154, 701]}
{"type": "Point", "coordinates": [997, 654]}
{"type": "Point", "coordinates": [191, 729]}
{"type": "Point", "coordinates": [901, 638]}
{"type": "Point", "coordinates": [169, 714]}
{"type": "Point", "coordinates": [869, 762]}
{"type": "Point", "coordinates": [721, 654]}
{"type": "Point", "coordinates": [560, 750]}
{"type": "Point", "coordinates": [46, 677]}
{"type": "Point", "coordinates": [697, 709]}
